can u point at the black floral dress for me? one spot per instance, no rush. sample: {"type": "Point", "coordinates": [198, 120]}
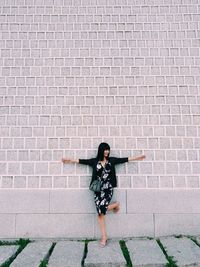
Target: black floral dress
{"type": "Point", "coordinates": [103, 198]}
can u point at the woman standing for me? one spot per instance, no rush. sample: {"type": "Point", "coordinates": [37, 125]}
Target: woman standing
{"type": "Point", "coordinates": [104, 169]}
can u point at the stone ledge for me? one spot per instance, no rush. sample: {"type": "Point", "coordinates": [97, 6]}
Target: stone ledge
{"type": "Point", "coordinates": [49, 213]}
{"type": "Point", "coordinates": [163, 201]}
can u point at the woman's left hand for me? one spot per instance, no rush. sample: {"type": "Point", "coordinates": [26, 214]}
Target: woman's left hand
{"type": "Point", "coordinates": [142, 157]}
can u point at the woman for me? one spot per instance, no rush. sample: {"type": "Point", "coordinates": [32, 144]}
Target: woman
{"type": "Point", "coordinates": [104, 169]}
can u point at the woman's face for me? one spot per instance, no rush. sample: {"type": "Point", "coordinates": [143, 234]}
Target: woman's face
{"type": "Point", "coordinates": [106, 153]}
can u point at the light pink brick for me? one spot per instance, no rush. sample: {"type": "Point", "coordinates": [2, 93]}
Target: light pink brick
{"type": "Point", "coordinates": [73, 182]}
{"type": "Point", "coordinates": [20, 182]}
{"type": "Point", "coordinates": [138, 182]}
{"type": "Point", "coordinates": [54, 168]}
{"type": "Point", "coordinates": [166, 182]}
{"type": "Point", "coordinates": [195, 168]}
{"type": "Point", "coordinates": [41, 168]}
{"type": "Point", "coordinates": [180, 181]}
{"type": "Point", "coordinates": [27, 168]}
{"type": "Point", "coordinates": [172, 168]}
{"type": "Point", "coordinates": [152, 181]}
{"type": "Point", "coordinates": [60, 182]}
{"type": "Point", "coordinates": [7, 182]}
{"type": "Point", "coordinates": [33, 182]}
{"type": "Point", "coordinates": [145, 168]}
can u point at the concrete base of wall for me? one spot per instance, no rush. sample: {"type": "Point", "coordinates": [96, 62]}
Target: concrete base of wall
{"type": "Point", "coordinates": [71, 213]}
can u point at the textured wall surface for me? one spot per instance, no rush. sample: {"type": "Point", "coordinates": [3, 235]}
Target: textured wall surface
{"type": "Point", "coordinates": [74, 73]}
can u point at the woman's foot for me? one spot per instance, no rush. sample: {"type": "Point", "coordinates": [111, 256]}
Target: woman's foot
{"type": "Point", "coordinates": [117, 208]}
{"type": "Point", "coordinates": [103, 242]}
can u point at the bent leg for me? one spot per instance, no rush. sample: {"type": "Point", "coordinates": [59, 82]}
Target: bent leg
{"type": "Point", "coordinates": [114, 206]}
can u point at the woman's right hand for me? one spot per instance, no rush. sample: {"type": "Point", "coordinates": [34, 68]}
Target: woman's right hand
{"type": "Point", "coordinates": [70, 160]}
{"type": "Point", "coordinates": [66, 160]}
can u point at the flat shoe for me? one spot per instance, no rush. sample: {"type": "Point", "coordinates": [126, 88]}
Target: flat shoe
{"type": "Point", "coordinates": [103, 243]}
{"type": "Point", "coordinates": [117, 209]}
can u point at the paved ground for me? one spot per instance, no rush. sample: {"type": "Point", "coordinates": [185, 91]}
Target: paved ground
{"type": "Point", "coordinates": [165, 251]}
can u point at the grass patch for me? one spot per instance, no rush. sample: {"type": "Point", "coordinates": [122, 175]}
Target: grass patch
{"type": "Point", "coordinates": [194, 240]}
{"type": "Point", "coordinates": [149, 238]}
{"type": "Point", "coordinates": [22, 244]}
{"type": "Point", "coordinates": [85, 252]}
{"type": "Point", "coordinates": [45, 261]}
{"type": "Point", "coordinates": [171, 261]}
{"type": "Point", "coordinates": [179, 236]}
{"type": "Point", "coordinates": [125, 253]}
{"type": "Point", "coordinates": [8, 243]}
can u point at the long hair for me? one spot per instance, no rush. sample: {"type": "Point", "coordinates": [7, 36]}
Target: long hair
{"type": "Point", "coordinates": [101, 149]}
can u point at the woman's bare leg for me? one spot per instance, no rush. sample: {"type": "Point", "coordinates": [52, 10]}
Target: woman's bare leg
{"type": "Point", "coordinates": [101, 219]}
{"type": "Point", "coordinates": [114, 206]}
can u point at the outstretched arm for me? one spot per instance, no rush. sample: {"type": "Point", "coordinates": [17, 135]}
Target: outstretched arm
{"type": "Point", "coordinates": [70, 160]}
{"type": "Point", "coordinates": [137, 158]}
{"type": "Point", "coordinates": [89, 162]}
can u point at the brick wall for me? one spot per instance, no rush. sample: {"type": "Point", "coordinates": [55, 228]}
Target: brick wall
{"type": "Point", "coordinates": [74, 73]}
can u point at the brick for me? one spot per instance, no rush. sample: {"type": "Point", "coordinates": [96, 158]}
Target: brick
{"type": "Point", "coordinates": [7, 143]}
{"type": "Point", "coordinates": [171, 167]}
{"type": "Point", "coordinates": [55, 168]}
{"type": "Point", "coordinates": [46, 182]}
{"type": "Point", "coordinates": [27, 168]}
{"type": "Point", "coordinates": [41, 168]}
{"type": "Point", "coordinates": [185, 167]}
{"type": "Point", "coordinates": [153, 182]}
{"type": "Point", "coordinates": [179, 181]}
{"type": "Point", "coordinates": [125, 182]}
{"type": "Point", "coordinates": [138, 182]}
{"type": "Point", "coordinates": [33, 182]}
{"type": "Point", "coordinates": [192, 181]}
{"type": "Point", "coordinates": [159, 167]}
{"type": "Point", "coordinates": [7, 182]}
{"type": "Point", "coordinates": [73, 182]}
{"type": "Point", "coordinates": [3, 168]}
{"type": "Point", "coordinates": [20, 182]}
{"type": "Point", "coordinates": [145, 168]}
{"type": "Point", "coordinates": [34, 155]}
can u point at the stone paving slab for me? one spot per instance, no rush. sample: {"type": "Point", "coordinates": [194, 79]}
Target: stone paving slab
{"type": "Point", "coordinates": [184, 251]}
{"type": "Point", "coordinates": [6, 252]}
{"type": "Point", "coordinates": [146, 253]}
{"type": "Point", "coordinates": [67, 254]}
{"type": "Point", "coordinates": [32, 254]}
{"type": "Point", "coordinates": [111, 255]}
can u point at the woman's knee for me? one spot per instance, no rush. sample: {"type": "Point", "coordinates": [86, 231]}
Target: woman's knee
{"type": "Point", "coordinates": [101, 216]}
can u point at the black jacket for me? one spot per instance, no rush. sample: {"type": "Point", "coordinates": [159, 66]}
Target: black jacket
{"type": "Point", "coordinates": [93, 163]}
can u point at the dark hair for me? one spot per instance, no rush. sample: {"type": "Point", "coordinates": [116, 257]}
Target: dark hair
{"type": "Point", "coordinates": [101, 149]}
